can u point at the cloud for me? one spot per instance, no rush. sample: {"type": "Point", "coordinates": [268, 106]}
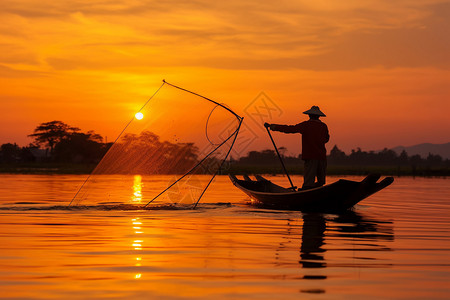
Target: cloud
{"type": "Point", "coordinates": [7, 72]}
{"type": "Point", "coordinates": [426, 45]}
{"type": "Point", "coordinates": [227, 35]}
{"type": "Point", "coordinates": [12, 53]}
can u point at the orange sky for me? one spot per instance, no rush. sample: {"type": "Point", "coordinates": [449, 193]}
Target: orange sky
{"type": "Point", "coordinates": [378, 69]}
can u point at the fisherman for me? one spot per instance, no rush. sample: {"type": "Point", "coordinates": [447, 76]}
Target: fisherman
{"type": "Point", "coordinates": [314, 137]}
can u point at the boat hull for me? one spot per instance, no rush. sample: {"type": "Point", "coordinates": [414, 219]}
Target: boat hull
{"type": "Point", "coordinates": [338, 196]}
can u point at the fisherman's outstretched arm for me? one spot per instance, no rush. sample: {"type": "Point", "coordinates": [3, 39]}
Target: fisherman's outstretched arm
{"type": "Point", "coordinates": [285, 128]}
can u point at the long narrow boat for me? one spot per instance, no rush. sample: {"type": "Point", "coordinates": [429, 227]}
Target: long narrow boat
{"type": "Point", "coordinates": [338, 196]}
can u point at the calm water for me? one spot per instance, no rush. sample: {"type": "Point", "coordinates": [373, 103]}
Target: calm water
{"type": "Point", "coordinates": [395, 245]}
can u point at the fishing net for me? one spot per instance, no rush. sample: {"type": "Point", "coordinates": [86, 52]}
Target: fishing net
{"type": "Point", "coordinates": [168, 153]}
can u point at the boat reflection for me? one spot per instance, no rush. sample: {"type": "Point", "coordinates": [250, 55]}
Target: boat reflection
{"type": "Point", "coordinates": [358, 226]}
{"type": "Point", "coordinates": [322, 233]}
{"type": "Point", "coordinates": [313, 239]}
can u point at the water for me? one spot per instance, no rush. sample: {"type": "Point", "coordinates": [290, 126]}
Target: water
{"type": "Point", "coordinates": [395, 245]}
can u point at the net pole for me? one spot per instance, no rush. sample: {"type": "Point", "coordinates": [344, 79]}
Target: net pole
{"type": "Point", "coordinates": [281, 160]}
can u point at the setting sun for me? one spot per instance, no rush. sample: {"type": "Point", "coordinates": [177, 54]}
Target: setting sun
{"type": "Point", "coordinates": [139, 116]}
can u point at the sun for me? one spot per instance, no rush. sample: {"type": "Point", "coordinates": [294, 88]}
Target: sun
{"type": "Point", "coordinates": [139, 115]}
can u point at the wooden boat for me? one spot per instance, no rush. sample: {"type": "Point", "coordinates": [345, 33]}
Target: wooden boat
{"type": "Point", "coordinates": [338, 196]}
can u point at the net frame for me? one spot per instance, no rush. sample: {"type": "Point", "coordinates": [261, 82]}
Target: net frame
{"type": "Point", "coordinates": [232, 137]}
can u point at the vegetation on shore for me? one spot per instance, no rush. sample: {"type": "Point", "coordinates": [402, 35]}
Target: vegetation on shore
{"type": "Point", "coordinates": [236, 168]}
{"type": "Point", "coordinates": [62, 149]}
{"type": "Point", "coordinates": [342, 170]}
{"type": "Point", "coordinates": [358, 162]}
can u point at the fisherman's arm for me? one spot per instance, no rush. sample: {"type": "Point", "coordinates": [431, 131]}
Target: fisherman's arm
{"type": "Point", "coordinates": [284, 128]}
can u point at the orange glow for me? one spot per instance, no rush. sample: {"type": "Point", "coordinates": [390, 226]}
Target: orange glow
{"type": "Point", "coordinates": [380, 71]}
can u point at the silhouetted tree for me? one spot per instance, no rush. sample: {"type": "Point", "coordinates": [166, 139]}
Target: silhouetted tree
{"type": "Point", "coordinates": [50, 133]}
{"type": "Point", "coordinates": [337, 156]}
{"type": "Point", "coordinates": [282, 151]}
{"type": "Point", "coordinates": [10, 153]}
{"type": "Point", "coordinates": [415, 161]}
{"type": "Point", "coordinates": [387, 157]}
{"type": "Point", "coordinates": [266, 156]}
{"type": "Point", "coordinates": [434, 159]}
{"type": "Point", "coordinates": [357, 156]}
{"type": "Point", "coordinates": [80, 147]}
{"type": "Point", "coordinates": [147, 154]}
{"type": "Point", "coordinates": [403, 158]}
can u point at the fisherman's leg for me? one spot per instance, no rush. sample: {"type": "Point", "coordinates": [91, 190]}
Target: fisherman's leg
{"type": "Point", "coordinates": [309, 173]}
{"type": "Point", "coordinates": [321, 172]}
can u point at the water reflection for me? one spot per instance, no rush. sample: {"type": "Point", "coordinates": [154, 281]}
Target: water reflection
{"type": "Point", "coordinates": [137, 189]}
{"type": "Point", "coordinates": [322, 233]}
{"type": "Point", "coordinates": [355, 225]}
{"type": "Point", "coordinates": [220, 251]}
{"type": "Point", "coordinates": [137, 223]}
{"type": "Point", "coordinates": [137, 243]}
{"type": "Point", "coordinates": [313, 238]}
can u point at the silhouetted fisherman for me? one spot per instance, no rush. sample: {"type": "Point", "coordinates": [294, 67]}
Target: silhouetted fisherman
{"type": "Point", "coordinates": [314, 137]}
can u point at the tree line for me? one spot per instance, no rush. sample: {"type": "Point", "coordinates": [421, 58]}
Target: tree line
{"type": "Point", "coordinates": [386, 157]}
{"type": "Point", "coordinates": [59, 142]}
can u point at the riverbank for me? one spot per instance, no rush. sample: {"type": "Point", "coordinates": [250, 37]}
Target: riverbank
{"type": "Point", "coordinates": [66, 168]}
{"type": "Point", "coordinates": [46, 168]}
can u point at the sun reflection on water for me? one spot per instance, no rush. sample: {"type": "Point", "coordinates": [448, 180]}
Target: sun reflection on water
{"type": "Point", "coordinates": [137, 189]}
{"type": "Point", "coordinates": [137, 243]}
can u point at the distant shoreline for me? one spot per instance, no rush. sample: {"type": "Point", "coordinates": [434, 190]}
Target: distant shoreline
{"type": "Point", "coordinates": [345, 170]}
{"type": "Point", "coordinates": [46, 168]}
{"type": "Point", "coordinates": [85, 169]}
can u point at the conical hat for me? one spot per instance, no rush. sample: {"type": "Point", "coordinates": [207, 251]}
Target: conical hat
{"type": "Point", "coordinates": [315, 110]}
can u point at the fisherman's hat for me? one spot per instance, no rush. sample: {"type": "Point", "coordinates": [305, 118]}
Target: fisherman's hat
{"type": "Point", "coordinates": [314, 111]}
